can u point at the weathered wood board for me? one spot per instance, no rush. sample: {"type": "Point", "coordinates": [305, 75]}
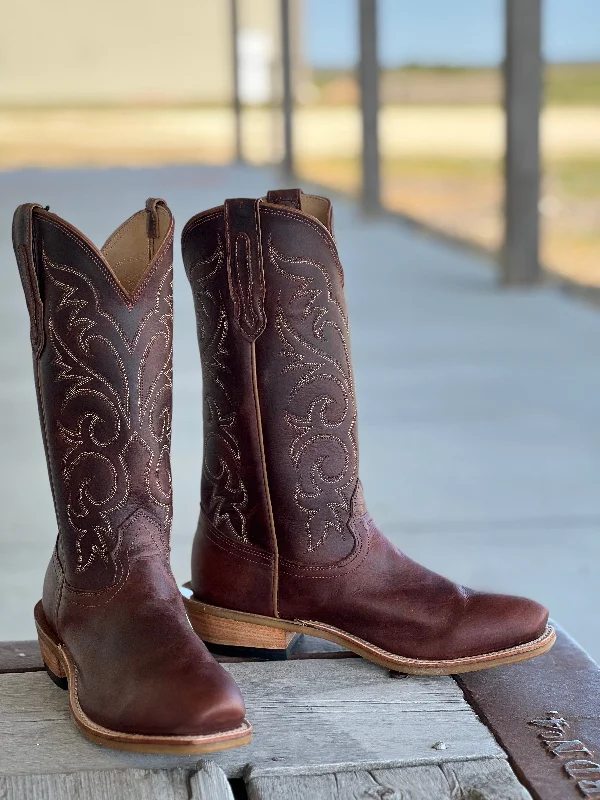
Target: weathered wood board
{"type": "Point", "coordinates": [308, 716]}
{"type": "Point", "coordinates": [20, 657]}
{"type": "Point", "coordinates": [207, 782]}
{"type": "Point", "coordinates": [485, 779]}
{"type": "Point", "coordinates": [26, 657]}
{"type": "Point", "coordinates": [488, 779]}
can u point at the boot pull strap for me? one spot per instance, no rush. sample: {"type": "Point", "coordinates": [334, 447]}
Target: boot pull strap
{"type": "Point", "coordinates": [153, 222]}
{"type": "Point", "coordinates": [22, 234]}
{"type": "Point", "coordinates": [286, 197]}
{"type": "Point", "coordinates": [152, 218]}
{"type": "Point", "coordinates": [245, 265]}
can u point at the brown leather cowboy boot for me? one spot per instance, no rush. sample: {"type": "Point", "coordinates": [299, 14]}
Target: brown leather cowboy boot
{"type": "Point", "coordinates": [285, 543]}
{"type": "Point", "coordinates": [111, 619]}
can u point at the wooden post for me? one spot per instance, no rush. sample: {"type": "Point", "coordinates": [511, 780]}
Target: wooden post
{"type": "Point", "coordinates": [523, 93]}
{"type": "Point", "coordinates": [237, 103]}
{"type": "Point", "coordinates": [369, 102]}
{"type": "Point", "coordinates": [288, 92]}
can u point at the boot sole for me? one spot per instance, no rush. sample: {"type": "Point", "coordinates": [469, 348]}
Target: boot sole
{"type": "Point", "coordinates": [237, 629]}
{"type": "Point", "coordinates": [63, 672]}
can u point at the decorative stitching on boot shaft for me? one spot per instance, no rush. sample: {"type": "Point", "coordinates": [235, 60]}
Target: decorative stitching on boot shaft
{"type": "Point", "coordinates": [321, 411]}
{"type": "Point", "coordinates": [227, 500]}
{"type": "Point", "coordinates": [112, 426]}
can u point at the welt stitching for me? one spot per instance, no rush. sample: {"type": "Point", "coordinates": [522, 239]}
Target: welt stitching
{"type": "Point", "coordinates": [139, 737]}
{"type": "Point", "coordinates": [520, 648]}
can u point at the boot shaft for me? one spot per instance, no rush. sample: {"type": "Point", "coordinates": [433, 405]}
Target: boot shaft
{"type": "Point", "coordinates": [101, 332]}
{"type": "Point", "coordinates": [280, 448]}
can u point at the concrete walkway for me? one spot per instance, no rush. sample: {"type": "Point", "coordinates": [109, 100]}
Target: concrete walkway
{"type": "Point", "coordinates": [479, 409]}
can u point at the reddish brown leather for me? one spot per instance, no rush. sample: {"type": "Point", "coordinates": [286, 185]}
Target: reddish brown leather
{"type": "Point", "coordinates": [233, 492]}
{"type": "Point", "coordinates": [103, 373]}
{"type": "Point", "coordinates": [298, 461]}
{"type": "Point", "coordinates": [387, 599]}
{"type": "Point", "coordinates": [286, 197]}
{"type": "Point", "coordinates": [216, 554]}
{"type": "Point", "coordinates": [244, 266]}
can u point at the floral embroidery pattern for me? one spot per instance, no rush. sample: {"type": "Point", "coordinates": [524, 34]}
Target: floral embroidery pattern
{"type": "Point", "coordinates": [225, 497]}
{"type": "Point", "coordinates": [321, 410]}
{"type": "Point", "coordinates": [114, 422]}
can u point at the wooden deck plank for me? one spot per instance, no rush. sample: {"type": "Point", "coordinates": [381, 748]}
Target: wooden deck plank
{"type": "Point", "coordinates": [491, 779]}
{"type": "Point", "coordinates": [295, 787]}
{"type": "Point", "coordinates": [20, 657]}
{"type": "Point", "coordinates": [308, 715]}
{"type": "Point", "coordinates": [486, 779]}
{"type": "Point", "coordinates": [25, 656]}
{"type": "Point", "coordinates": [208, 782]}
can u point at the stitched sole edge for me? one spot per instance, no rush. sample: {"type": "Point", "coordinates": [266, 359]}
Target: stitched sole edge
{"type": "Point", "coordinates": [197, 610]}
{"type": "Point", "coordinates": [119, 740]}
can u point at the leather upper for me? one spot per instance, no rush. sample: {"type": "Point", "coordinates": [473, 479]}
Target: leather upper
{"type": "Point", "coordinates": [283, 529]}
{"type": "Point", "coordinates": [102, 323]}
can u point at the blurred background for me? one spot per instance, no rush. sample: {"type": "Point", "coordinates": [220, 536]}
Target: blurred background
{"type": "Point", "coordinates": [462, 145]}
{"type": "Point", "coordinates": [130, 83]}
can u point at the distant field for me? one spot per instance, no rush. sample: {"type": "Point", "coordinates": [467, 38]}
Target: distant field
{"type": "Point", "coordinates": [463, 197]}
{"type": "Point", "coordinates": [565, 84]}
{"type": "Point", "coordinates": [442, 138]}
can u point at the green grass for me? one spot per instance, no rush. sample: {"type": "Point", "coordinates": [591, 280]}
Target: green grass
{"type": "Point", "coordinates": [578, 177]}
{"type": "Point", "coordinates": [564, 84]}
{"type": "Point", "coordinates": [572, 84]}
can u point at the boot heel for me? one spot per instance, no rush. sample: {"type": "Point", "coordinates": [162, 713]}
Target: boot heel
{"type": "Point", "coordinates": [50, 649]}
{"type": "Point", "coordinates": [237, 638]}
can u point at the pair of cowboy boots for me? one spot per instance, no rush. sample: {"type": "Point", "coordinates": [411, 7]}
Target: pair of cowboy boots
{"type": "Point", "coordinates": [284, 543]}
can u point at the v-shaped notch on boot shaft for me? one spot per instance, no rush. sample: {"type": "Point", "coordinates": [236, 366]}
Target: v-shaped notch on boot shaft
{"type": "Point", "coordinates": [101, 333]}
{"type": "Point", "coordinates": [127, 258]}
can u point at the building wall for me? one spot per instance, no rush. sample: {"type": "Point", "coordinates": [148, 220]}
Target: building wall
{"type": "Point", "coordinates": [86, 52]}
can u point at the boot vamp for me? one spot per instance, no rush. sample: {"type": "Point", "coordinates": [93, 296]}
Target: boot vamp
{"type": "Point", "coordinates": [140, 666]}
{"type": "Point", "coordinates": [396, 604]}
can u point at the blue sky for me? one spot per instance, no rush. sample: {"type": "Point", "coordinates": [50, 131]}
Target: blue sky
{"type": "Point", "coordinates": [452, 32]}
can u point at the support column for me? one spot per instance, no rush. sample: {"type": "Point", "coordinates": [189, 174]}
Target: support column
{"type": "Point", "coordinates": [369, 103]}
{"type": "Point", "coordinates": [237, 104]}
{"type": "Point", "coordinates": [288, 91]}
{"type": "Point", "coordinates": [523, 95]}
